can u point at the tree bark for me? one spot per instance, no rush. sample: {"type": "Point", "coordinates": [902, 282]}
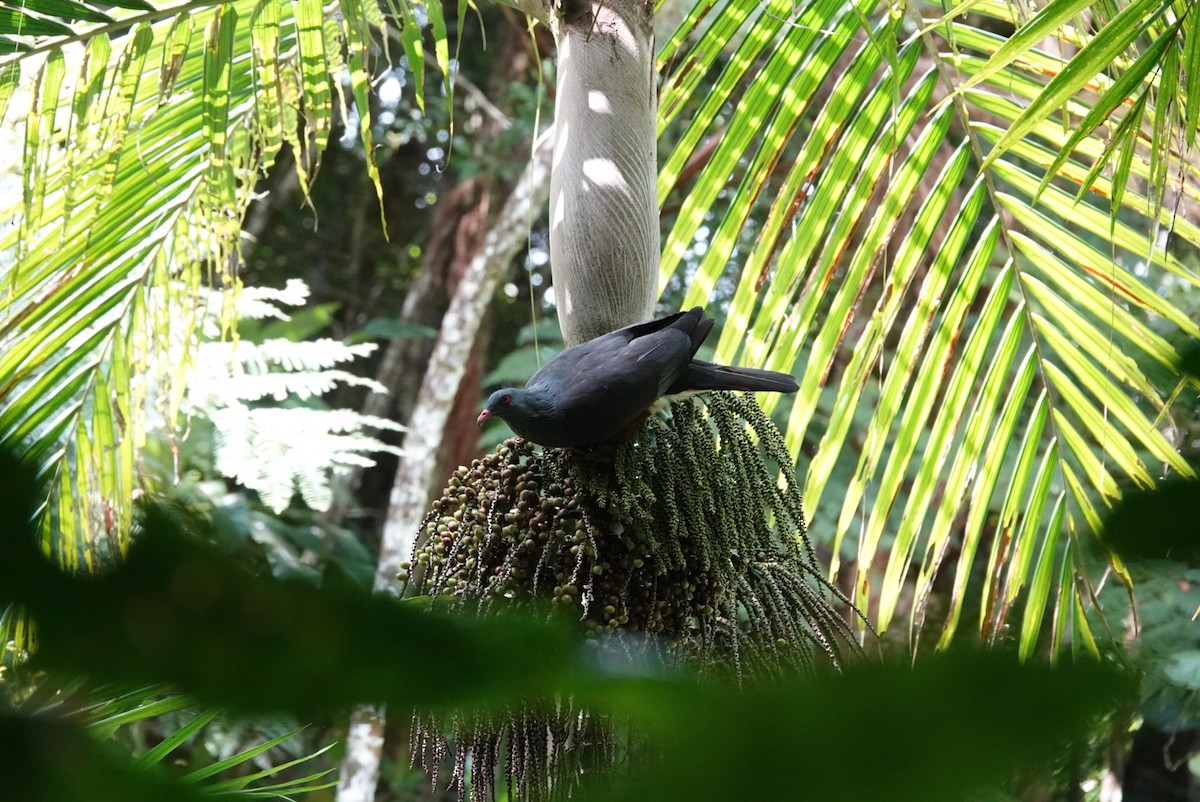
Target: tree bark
{"type": "Point", "coordinates": [459, 226]}
{"type": "Point", "coordinates": [417, 472]}
{"type": "Point", "coordinates": [604, 233]}
{"type": "Point", "coordinates": [415, 475]}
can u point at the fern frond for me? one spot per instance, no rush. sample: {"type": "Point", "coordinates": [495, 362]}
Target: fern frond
{"type": "Point", "coordinates": [278, 449]}
{"type": "Point", "coordinates": [278, 452]}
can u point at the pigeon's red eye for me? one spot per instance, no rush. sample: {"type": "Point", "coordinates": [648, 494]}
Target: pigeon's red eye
{"type": "Point", "coordinates": [505, 400]}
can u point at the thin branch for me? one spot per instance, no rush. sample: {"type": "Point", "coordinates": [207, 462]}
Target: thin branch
{"type": "Point", "coordinates": [479, 97]}
{"type": "Point", "coordinates": [415, 475]}
{"type": "Point", "coordinates": [448, 363]}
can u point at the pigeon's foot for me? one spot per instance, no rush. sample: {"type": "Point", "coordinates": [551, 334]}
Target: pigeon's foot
{"type": "Point", "coordinates": [598, 453]}
{"type": "Point", "coordinates": [606, 451]}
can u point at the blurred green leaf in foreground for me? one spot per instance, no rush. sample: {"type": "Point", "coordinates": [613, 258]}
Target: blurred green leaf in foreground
{"type": "Point", "coordinates": [178, 612]}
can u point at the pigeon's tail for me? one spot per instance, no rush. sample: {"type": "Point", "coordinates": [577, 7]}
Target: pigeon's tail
{"type": "Point", "coordinates": [700, 376]}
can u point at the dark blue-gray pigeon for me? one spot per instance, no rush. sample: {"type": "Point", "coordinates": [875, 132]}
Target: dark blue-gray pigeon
{"type": "Point", "coordinates": [599, 391]}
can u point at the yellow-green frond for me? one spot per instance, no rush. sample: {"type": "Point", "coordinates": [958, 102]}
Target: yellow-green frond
{"type": "Point", "coordinates": [971, 250]}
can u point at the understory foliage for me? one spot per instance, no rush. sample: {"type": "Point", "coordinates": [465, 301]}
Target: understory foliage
{"type": "Point", "coordinates": [315, 650]}
{"type": "Point", "coordinates": [683, 546]}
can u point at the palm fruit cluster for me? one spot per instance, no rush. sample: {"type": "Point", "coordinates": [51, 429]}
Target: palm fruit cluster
{"type": "Point", "coordinates": [682, 543]}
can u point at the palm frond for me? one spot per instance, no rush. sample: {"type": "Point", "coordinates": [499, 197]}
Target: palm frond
{"type": "Point", "coordinates": [144, 129]}
{"type": "Point", "coordinates": [260, 769]}
{"type": "Point", "coordinates": [976, 312]}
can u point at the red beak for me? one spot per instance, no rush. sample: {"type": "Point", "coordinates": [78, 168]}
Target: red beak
{"type": "Point", "coordinates": [482, 419]}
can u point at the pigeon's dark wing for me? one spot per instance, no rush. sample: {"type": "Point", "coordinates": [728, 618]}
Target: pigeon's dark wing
{"type": "Point", "coordinates": [698, 375]}
{"type": "Point", "coordinates": [602, 349]}
{"type": "Point", "coordinates": [691, 322]}
{"type": "Point", "coordinates": [594, 391]}
{"type": "Point", "coordinates": [599, 387]}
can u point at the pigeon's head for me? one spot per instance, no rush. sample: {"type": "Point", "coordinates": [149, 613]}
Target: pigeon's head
{"type": "Point", "coordinates": [505, 404]}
